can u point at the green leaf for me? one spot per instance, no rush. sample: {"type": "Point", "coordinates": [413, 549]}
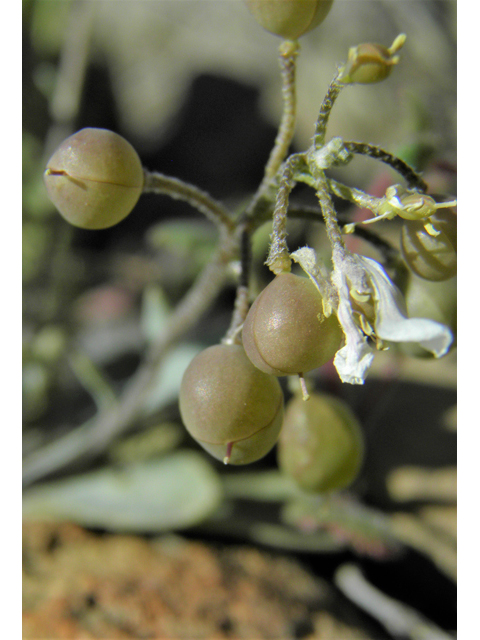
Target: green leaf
{"type": "Point", "coordinates": [171, 493]}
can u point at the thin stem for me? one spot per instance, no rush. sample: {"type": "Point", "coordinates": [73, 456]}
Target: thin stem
{"type": "Point", "coordinates": [325, 110]}
{"type": "Point", "coordinates": [94, 436]}
{"type": "Point", "coordinates": [328, 211]}
{"type": "Point", "coordinates": [241, 305]}
{"type": "Point", "coordinates": [355, 196]}
{"type": "Point", "coordinates": [179, 190]}
{"type": "Point", "coordinates": [288, 54]}
{"type": "Point", "coordinates": [388, 251]}
{"type": "Point", "coordinates": [414, 180]}
{"type": "Point", "coordinates": [279, 260]}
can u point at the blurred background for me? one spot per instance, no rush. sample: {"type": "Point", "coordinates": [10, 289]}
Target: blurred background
{"type": "Point", "coordinates": [124, 536]}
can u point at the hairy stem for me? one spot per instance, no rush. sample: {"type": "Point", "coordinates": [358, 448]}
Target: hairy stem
{"type": "Point", "coordinates": [325, 110]}
{"type": "Point", "coordinates": [279, 260]}
{"type": "Point", "coordinates": [288, 54]}
{"type": "Point", "coordinates": [414, 180]}
{"type": "Point", "coordinates": [328, 211]}
{"type": "Point", "coordinates": [179, 190]}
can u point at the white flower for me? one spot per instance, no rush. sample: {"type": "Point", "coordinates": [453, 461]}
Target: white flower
{"type": "Point", "coordinates": [360, 278]}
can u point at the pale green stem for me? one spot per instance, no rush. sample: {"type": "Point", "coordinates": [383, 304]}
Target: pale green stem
{"type": "Point", "coordinates": [279, 260]}
{"type": "Point", "coordinates": [288, 54]}
{"type": "Point", "coordinates": [179, 190]}
{"type": "Point", "coordinates": [324, 114]}
{"type": "Point", "coordinates": [328, 211]}
{"type": "Point", "coordinates": [260, 201]}
{"type": "Point", "coordinates": [355, 196]}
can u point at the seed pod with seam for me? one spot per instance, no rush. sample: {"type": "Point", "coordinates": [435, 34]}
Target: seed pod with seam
{"type": "Point", "coordinates": [94, 178]}
{"type": "Point", "coordinates": [231, 408]}
{"type": "Point", "coordinates": [286, 331]}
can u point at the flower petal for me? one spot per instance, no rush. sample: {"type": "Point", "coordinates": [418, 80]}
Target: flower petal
{"type": "Point", "coordinates": [392, 323]}
{"type": "Point", "coordinates": [352, 361]}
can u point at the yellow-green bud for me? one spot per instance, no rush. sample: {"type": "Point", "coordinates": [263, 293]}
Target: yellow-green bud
{"type": "Point", "coordinates": [94, 178]}
{"type": "Point", "coordinates": [289, 19]}
{"type": "Point", "coordinates": [368, 62]}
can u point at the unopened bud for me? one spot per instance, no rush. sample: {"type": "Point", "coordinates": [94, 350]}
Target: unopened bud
{"type": "Point", "coordinates": [368, 63]}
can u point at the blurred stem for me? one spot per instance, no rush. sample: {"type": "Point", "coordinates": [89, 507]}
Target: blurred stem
{"type": "Point", "coordinates": [94, 436]}
{"type": "Point", "coordinates": [92, 380]}
{"type": "Point", "coordinates": [178, 190]}
{"type": "Point", "coordinates": [72, 67]}
{"type": "Point", "coordinates": [399, 619]}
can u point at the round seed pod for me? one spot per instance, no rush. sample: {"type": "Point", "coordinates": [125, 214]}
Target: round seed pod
{"type": "Point", "coordinates": [232, 409]}
{"type": "Point", "coordinates": [94, 178]}
{"type": "Point", "coordinates": [289, 19]}
{"type": "Point", "coordinates": [428, 256]}
{"type": "Point", "coordinates": [321, 443]}
{"type": "Point", "coordinates": [286, 331]}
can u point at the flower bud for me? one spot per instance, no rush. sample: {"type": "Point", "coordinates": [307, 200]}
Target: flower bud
{"type": "Point", "coordinates": [368, 63]}
{"type": "Point", "coordinates": [289, 19]}
{"type": "Point", "coordinates": [321, 443]}
{"type": "Point", "coordinates": [94, 178]}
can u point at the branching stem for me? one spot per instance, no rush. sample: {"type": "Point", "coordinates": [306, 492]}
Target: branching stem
{"type": "Point", "coordinates": [93, 437]}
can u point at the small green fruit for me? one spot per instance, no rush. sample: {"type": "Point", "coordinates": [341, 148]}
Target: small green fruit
{"type": "Point", "coordinates": [289, 18]}
{"type": "Point", "coordinates": [94, 178]}
{"type": "Point", "coordinates": [432, 257]}
{"type": "Point", "coordinates": [231, 408]}
{"type": "Point", "coordinates": [321, 443]}
{"type": "Point", "coordinates": [286, 331]}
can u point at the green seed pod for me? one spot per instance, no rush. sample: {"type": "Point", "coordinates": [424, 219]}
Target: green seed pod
{"type": "Point", "coordinates": [94, 178]}
{"type": "Point", "coordinates": [289, 19]}
{"type": "Point", "coordinates": [286, 331]}
{"type": "Point", "coordinates": [232, 409]}
{"type": "Point", "coordinates": [321, 443]}
{"type": "Point", "coordinates": [432, 257]}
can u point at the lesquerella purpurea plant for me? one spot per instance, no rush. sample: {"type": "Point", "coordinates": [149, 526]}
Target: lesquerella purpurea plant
{"type": "Point", "coordinates": [230, 399]}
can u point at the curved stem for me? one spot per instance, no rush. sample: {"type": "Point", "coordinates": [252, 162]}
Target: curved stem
{"type": "Point", "coordinates": [178, 190]}
{"type": "Point", "coordinates": [325, 110]}
{"type": "Point", "coordinates": [355, 196]}
{"type": "Point", "coordinates": [328, 211]}
{"type": "Point", "coordinates": [264, 194]}
{"type": "Point", "coordinates": [279, 260]}
{"type": "Point", "coordinates": [414, 180]}
{"type": "Point", "coordinates": [288, 54]}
